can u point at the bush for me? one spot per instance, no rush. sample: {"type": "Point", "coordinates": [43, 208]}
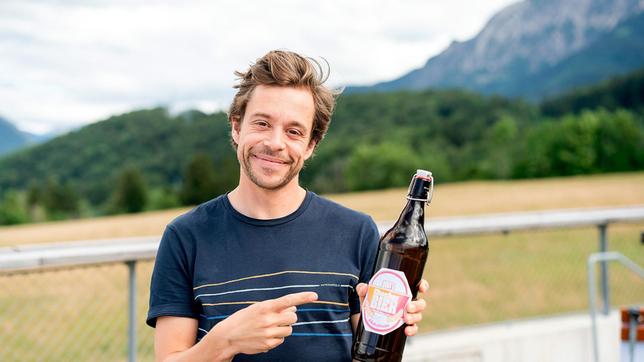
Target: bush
{"type": "Point", "coordinates": [13, 209]}
{"type": "Point", "coordinates": [381, 166]}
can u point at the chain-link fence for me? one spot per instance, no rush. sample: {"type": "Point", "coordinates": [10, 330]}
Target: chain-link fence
{"type": "Point", "coordinates": [78, 314]}
{"type": "Point", "coordinates": [81, 313]}
{"type": "Point", "coordinates": [481, 279]}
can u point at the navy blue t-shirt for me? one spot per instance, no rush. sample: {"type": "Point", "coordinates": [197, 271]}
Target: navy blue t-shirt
{"type": "Point", "coordinates": [214, 261]}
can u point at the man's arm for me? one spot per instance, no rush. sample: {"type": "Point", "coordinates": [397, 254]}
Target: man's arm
{"type": "Point", "coordinates": [254, 329]}
{"type": "Point", "coordinates": [174, 340]}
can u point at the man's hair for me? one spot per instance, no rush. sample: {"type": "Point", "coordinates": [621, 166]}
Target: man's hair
{"type": "Point", "coordinates": [286, 69]}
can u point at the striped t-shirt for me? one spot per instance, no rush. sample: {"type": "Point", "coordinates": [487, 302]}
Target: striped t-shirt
{"type": "Point", "coordinates": [214, 261]}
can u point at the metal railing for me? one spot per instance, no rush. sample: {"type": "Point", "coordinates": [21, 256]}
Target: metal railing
{"type": "Point", "coordinates": [593, 259]}
{"type": "Point", "coordinates": [30, 258]}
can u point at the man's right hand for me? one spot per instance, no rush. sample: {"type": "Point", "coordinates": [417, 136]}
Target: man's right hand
{"type": "Point", "coordinates": [257, 328]}
{"type": "Point", "coordinates": [262, 326]}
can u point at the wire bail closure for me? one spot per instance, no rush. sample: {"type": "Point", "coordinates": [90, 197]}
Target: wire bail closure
{"type": "Point", "coordinates": [430, 193]}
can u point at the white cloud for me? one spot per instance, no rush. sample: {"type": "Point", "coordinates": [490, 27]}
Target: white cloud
{"type": "Point", "coordinates": [65, 63]}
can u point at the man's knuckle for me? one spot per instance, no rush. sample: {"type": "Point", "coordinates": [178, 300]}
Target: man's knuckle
{"type": "Point", "coordinates": [266, 321]}
{"type": "Point", "coordinates": [292, 318]}
{"type": "Point", "coordinates": [276, 342]}
{"type": "Point", "coordinates": [260, 307]}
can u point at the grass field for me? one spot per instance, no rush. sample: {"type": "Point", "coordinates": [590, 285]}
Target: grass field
{"type": "Point", "coordinates": [453, 199]}
{"type": "Point", "coordinates": [81, 314]}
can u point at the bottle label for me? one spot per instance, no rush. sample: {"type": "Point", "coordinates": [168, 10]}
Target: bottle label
{"type": "Point", "coordinates": [385, 302]}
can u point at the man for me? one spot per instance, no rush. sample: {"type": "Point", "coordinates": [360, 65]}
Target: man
{"type": "Point", "coordinates": [269, 271]}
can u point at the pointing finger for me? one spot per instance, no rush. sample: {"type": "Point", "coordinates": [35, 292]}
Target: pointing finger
{"type": "Point", "coordinates": [291, 300]}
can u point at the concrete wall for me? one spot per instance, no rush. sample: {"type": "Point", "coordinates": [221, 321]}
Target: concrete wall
{"type": "Point", "coordinates": [555, 339]}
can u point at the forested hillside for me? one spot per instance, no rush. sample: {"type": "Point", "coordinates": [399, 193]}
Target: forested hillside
{"type": "Point", "coordinates": [622, 92]}
{"type": "Point", "coordinates": [150, 159]}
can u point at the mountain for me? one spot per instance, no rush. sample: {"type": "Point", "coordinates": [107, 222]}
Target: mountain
{"type": "Point", "coordinates": [537, 48]}
{"type": "Point", "coordinates": [617, 52]}
{"type": "Point", "coordinates": [621, 92]}
{"type": "Point", "coordinates": [11, 138]}
{"type": "Point", "coordinates": [43, 137]}
{"type": "Point", "coordinates": [91, 158]}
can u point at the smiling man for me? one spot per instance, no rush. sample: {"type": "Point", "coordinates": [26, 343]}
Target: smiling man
{"type": "Point", "coordinates": [269, 271]}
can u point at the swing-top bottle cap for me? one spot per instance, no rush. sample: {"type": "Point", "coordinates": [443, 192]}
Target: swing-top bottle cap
{"type": "Point", "coordinates": [416, 189]}
{"type": "Point", "coordinates": [424, 174]}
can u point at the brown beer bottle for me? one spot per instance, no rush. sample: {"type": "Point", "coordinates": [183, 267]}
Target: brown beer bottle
{"type": "Point", "coordinates": [399, 268]}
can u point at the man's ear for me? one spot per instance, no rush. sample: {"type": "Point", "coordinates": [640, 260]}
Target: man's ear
{"type": "Point", "coordinates": [235, 126]}
{"type": "Point", "coordinates": [310, 149]}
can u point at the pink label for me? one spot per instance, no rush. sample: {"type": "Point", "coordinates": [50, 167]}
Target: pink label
{"type": "Point", "coordinates": [385, 302]}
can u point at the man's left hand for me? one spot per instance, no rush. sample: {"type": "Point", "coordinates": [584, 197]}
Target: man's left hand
{"type": "Point", "coordinates": [414, 311]}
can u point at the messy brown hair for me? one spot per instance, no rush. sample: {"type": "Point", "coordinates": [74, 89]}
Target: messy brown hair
{"type": "Point", "coordinates": [287, 69]}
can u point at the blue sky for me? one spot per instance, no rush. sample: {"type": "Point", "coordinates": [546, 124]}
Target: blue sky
{"type": "Point", "coordinates": [68, 63]}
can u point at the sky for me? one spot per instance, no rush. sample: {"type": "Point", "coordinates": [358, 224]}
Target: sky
{"type": "Point", "coordinates": [67, 63]}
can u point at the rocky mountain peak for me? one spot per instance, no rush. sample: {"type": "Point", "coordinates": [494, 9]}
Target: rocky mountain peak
{"type": "Point", "coordinates": [524, 41]}
{"type": "Point", "coordinates": [544, 31]}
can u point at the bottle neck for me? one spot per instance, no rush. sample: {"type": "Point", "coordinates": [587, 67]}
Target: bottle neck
{"type": "Point", "coordinates": [414, 211]}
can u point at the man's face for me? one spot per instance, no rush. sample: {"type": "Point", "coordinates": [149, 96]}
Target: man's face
{"type": "Point", "coordinates": [273, 137]}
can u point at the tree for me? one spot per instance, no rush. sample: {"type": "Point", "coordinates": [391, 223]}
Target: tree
{"type": "Point", "coordinates": [381, 166]}
{"type": "Point", "coordinates": [13, 209]}
{"type": "Point", "coordinates": [573, 149]}
{"type": "Point", "coordinates": [499, 143]}
{"type": "Point", "coordinates": [199, 181]}
{"type": "Point", "coordinates": [60, 201]}
{"type": "Point", "coordinates": [619, 144]}
{"type": "Point", "coordinates": [160, 198]}
{"type": "Point", "coordinates": [227, 175]}
{"type": "Point", "coordinates": [130, 195]}
{"type": "Point", "coordinates": [34, 195]}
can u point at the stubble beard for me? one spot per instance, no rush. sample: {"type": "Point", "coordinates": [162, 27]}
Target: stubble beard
{"type": "Point", "coordinates": [292, 172]}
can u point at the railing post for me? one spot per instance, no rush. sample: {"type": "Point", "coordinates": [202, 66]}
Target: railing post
{"type": "Point", "coordinates": [603, 247]}
{"type": "Point", "coordinates": [131, 340]}
{"type": "Point", "coordinates": [604, 258]}
{"type": "Point", "coordinates": [591, 303]}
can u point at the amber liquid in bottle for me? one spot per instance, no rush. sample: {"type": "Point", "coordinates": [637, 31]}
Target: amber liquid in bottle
{"type": "Point", "coordinates": [405, 248]}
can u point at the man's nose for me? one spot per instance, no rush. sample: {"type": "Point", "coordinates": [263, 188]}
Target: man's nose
{"type": "Point", "coordinates": [275, 140]}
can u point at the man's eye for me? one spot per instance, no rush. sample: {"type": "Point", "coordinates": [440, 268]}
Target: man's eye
{"type": "Point", "coordinates": [261, 123]}
{"type": "Point", "coordinates": [295, 132]}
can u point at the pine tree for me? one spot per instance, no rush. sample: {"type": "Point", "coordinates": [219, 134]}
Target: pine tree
{"type": "Point", "coordinates": [199, 181]}
{"type": "Point", "coordinates": [59, 200]}
{"type": "Point", "coordinates": [130, 195]}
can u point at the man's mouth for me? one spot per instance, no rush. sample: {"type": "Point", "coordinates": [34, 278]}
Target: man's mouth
{"type": "Point", "coordinates": [271, 159]}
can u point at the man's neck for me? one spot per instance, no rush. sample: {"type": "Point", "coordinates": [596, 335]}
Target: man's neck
{"type": "Point", "coordinates": [259, 203]}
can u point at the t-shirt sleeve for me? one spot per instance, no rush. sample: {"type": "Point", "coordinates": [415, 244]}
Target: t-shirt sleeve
{"type": "Point", "coordinates": [368, 250]}
{"type": "Point", "coordinates": [171, 285]}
